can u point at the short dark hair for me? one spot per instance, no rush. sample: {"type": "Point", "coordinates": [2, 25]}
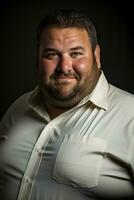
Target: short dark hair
{"type": "Point", "coordinates": [65, 18]}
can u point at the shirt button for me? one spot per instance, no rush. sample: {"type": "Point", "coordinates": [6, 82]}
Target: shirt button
{"type": "Point", "coordinates": [39, 150]}
{"type": "Point", "coordinates": [27, 179]}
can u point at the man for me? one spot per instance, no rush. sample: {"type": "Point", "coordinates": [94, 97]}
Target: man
{"type": "Point", "coordinates": [72, 138]}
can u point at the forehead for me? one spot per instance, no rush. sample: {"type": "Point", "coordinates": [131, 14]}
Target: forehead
{"type": "Point", "coordinates": [56, 35]}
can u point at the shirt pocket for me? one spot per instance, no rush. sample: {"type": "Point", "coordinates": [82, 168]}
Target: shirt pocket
{"type": "Point", "coordinates": [79, 160]}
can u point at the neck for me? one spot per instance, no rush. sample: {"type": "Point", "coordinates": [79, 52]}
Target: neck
{"type": "Point", "coordinates": [53, 111]}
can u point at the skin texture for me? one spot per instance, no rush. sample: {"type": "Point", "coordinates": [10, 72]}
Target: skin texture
{"type": "Point", "coordinates": [68, 68]}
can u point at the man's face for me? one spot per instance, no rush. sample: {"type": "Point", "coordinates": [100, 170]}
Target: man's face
{"type": "Point", "coordinates": [68, 68]}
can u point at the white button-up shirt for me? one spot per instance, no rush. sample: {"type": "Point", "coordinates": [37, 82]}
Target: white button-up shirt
{"type": "Point", "coordinates": [85, 153]}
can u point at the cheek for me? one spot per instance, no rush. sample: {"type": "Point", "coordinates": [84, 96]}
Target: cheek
{"type": "Point", "coordinates": [47, 67]}
{"type": "Point", "coordinates": [83, 66]}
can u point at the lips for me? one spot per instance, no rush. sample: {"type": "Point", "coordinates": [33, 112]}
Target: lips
{"type": "Point", "coordinates": [64, 79]}
{"type": "Point", "coordinates": [65, 76]}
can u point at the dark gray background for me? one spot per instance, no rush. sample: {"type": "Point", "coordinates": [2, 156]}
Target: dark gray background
{"type": "Point", "coordinates": [18, 24]}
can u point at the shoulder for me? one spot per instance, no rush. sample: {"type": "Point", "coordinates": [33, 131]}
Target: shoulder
{"type": "Point", "coordinates": [119, 93]}
{"type": "Point", "coordinates": [21, 103]}
{"type": "Point", "coordinates": [121, 98]}
{"type": "Point", "coordinates": [17, 108]}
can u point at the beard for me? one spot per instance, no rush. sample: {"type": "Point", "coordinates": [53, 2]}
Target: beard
{"type": "Point", "coordinates": [51, 92]}
{"type": "Point", "coordinates": [56, 94]}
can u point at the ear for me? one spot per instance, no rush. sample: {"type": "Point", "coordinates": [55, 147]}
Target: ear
{"type": "Point", "coordinates": [97, 56]}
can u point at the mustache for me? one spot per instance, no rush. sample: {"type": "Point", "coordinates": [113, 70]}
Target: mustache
{"type": "Point", "coordinates": [65, 74]}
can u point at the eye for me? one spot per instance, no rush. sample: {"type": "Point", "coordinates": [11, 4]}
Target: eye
{"type": "Point", "coordinates": [76, 54]}
{"type": "Point", "coordinates": [50, 55]}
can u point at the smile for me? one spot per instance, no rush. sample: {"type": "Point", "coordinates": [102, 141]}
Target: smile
{"type": "Point", "coordinates": [61, 79]}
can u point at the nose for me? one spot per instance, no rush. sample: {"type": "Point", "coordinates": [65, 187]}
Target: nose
{"type": "Point", "coordinates": [64, 64]}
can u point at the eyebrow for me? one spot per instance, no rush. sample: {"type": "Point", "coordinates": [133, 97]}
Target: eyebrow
{"type": "Point", "coordinates": [50, 49]}
{"type": "Point", "coordinates": [71, 49]}
{"type": "Point", "coordinates": [77, 48]}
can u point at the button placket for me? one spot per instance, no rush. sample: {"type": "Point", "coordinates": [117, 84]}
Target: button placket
{"type": "Point", "coordinates": [34, 163]}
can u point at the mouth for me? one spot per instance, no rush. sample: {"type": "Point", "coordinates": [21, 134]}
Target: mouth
{"type": "Point", "coordinates": [62, 79]}
{"type": "Point", "coordinates": [66, 76]}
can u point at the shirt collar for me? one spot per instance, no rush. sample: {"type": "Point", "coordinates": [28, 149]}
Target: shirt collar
{"type": "Point", "coordinates": [36, 104]}
{"type": "Point", "coordinates": [99, 96]}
